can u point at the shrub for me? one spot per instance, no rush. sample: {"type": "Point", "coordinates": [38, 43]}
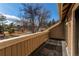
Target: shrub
{"type": "Point", "coordinates": [11, 30]}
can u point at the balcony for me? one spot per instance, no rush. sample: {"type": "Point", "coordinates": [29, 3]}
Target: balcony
{"type": "Point", "coordinates": [28, 44]}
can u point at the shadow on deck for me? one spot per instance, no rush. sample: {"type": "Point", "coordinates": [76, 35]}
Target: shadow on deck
{"type": "Point", "coordinates": [49, 48]}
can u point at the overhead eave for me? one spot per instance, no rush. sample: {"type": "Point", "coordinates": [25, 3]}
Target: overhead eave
{"type": "Point", "coordinates": [66, 9]}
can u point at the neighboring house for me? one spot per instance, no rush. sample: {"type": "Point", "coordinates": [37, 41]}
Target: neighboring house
{"type": "Point", "coordinates": [42, 29]}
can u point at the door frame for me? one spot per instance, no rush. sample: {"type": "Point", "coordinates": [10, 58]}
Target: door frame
{"type": "Point", "coordinates": [73, 41]}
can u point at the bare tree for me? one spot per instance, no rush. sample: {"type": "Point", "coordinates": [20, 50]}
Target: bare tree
{"type": "Point", "coordinates": [35, 12]}
{"type": "Point", "coordinates": [30, 12]}
{"type": "Point", "coordinates": [43, 17]}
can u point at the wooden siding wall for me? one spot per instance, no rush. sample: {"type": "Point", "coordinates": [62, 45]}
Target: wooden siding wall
{"type": "Point", "coordinates": [68, 37]}
{"type": "Point", "coordinates": [57, 31]}
{"type": "Point", "coordinates": [23, 45]}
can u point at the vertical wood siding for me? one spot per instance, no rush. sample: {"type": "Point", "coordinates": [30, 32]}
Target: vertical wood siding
{"type": "Point", "coordinates": [23, 46]}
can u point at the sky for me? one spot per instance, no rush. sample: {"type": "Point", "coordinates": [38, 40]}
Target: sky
{"type": "Point", "coordinates": [12, 9]}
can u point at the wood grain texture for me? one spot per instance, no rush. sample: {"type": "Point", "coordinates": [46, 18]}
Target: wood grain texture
{"type": "Point", "coordinates": [8, 51]}
{"type": "Point", "coordinates": [14, 50]}
{"type": "Point", "coordinates": [2, 52]}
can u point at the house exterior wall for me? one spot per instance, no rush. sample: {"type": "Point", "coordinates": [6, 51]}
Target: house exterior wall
{"type": "Point", "coordinates": [69, 36]}
{"type": "Point", "coordinates": [57, 32]}
{"type": "Point", "coordinates": [70, 32]}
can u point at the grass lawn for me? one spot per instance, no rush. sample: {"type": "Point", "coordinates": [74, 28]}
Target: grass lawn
{"type": "Point", "coordinates": [15, 34]}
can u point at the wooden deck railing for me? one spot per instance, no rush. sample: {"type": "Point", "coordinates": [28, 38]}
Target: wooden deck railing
{"type": "Point", "coordinates": [22, 45]}
{"type": "Point", "coordinates": [26, 44]}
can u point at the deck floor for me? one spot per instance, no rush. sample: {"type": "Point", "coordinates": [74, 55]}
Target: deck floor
{"type": "Point", "coordinates": [50, 48]}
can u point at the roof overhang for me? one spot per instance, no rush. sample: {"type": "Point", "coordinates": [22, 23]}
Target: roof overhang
{"type": "Point", "coordinates": [64, 10]}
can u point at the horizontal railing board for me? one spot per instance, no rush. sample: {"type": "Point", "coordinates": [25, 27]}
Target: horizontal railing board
{"type": "Point", "coordinates": [7, 42]}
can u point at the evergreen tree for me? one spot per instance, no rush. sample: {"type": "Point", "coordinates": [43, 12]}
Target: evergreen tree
{"type": "Point", "coordinates": [2, 22]}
